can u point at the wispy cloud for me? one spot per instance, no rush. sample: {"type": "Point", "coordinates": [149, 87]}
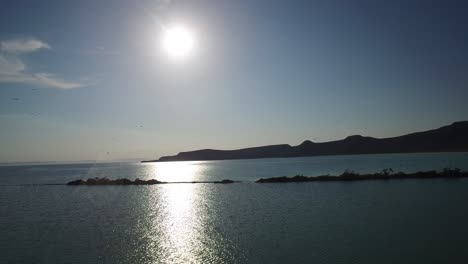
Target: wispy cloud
{"type": "Point", "coordinates": [38, 79]}
{"type": "Point", "coordinates": [10, 65]}
{"type": "Point", "coordinates": [22, 45]}
{"type": "Point", "coordinates": [14, 70]}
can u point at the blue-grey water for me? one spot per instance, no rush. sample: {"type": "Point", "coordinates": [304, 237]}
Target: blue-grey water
{"type": "Point", "coordinates": [397, 221]}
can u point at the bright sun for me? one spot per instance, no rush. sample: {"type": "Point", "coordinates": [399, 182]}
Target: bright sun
{"type": "Point", "coordinates": [178, 42]}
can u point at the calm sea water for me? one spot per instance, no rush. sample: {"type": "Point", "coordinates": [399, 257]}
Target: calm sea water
{"type": "Point", "coordinates": [399, 221]}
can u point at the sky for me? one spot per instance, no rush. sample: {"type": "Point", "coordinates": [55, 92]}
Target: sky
{"type": "Point", "coordinates": [88, 80]}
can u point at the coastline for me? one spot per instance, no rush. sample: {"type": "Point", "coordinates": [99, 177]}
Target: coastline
{"type": "Point", "coordinates": [347, 176]}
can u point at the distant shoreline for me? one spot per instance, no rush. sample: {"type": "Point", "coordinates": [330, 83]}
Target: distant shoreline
{"type": "Point", "coordinates": [451, 138]}
{"type": "Point", "coordinates": [331, 155]}
{"type": "Point", "coordinates": [63, 163]}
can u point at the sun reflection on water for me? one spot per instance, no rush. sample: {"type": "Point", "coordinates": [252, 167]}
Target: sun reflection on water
{"type": "Point", "coordinates": [180, 220]}
{"type": "Point", "coordinates": [182, 217]}
{"type": "Point", "coordinates": [180, 171]}
{"type": "Point", "coordinates": [181, 223]}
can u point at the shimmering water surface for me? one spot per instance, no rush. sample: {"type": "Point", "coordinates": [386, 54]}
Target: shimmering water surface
{"type": "Point", "coordinates": [398, 221]}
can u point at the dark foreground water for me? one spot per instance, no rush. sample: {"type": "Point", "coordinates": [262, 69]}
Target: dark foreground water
{"type": "Point", "coordinates": [396, 221]}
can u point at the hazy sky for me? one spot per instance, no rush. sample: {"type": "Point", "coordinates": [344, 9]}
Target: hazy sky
{"type": "Point", "coordinates": [88, 80]}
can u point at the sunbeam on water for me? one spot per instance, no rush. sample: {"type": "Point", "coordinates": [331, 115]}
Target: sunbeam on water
{"type": "Point", "coordinates": [177, 171]}
{"type": "Point", "coordinates": [180, 227]}
{"type": "Point", "coordinates": [181, 223]}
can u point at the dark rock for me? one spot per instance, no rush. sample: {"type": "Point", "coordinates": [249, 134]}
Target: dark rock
{"type": "Point", "coordinates": [225, 181]}
{"type": "Point", "coordinates": [386, 174]}
{"type": "Point", "coordinates": [77, 182]}
{"type": "Point", "coordinates": [106, 181]}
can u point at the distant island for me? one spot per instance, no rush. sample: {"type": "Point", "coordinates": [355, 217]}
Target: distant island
{"type": "Point", "coordinates": [451, 138]}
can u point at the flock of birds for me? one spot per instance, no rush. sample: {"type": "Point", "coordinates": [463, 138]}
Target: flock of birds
{"type": "Point", "coordinates": [37, 114]}
{"type": "Point", "coordinates": [19, 99]}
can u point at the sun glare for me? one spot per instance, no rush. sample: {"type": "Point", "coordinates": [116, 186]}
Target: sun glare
{"type": "Point", "coordinates": [178, 42]}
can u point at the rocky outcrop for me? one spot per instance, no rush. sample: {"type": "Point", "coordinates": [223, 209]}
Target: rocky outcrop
{"type": "Point", "coordinates": [387, 174]}
{"type": "Point", "coordinates": [106, 181]}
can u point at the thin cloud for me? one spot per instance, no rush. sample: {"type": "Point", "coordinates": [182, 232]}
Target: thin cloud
{"type": "Point", "coordinates": [50, 80]}
{"type": "Point", "coordinates": [22, 45]}
{"type": "Point", "coordinates": [10, 65]}
{"type": "Point", "coordinates": [39, 79]}
{"type": "Point", "coordinates": [14, 70]}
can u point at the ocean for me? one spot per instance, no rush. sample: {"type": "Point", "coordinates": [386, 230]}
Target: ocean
{"type": "Point", "coordinates": [395, 221]}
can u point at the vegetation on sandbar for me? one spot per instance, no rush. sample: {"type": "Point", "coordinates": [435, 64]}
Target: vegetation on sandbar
{"type": "Point", "coordinates": [386, 174]}
{"type": "Point", "coordinates": [106, 181]}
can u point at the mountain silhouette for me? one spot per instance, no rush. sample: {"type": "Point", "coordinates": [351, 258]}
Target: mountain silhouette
{"type": "Point", "coordinates": [451, 138]}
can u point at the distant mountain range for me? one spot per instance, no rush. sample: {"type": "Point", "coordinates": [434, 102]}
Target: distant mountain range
{"type": "Point", "coordinates": [451, 138]}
